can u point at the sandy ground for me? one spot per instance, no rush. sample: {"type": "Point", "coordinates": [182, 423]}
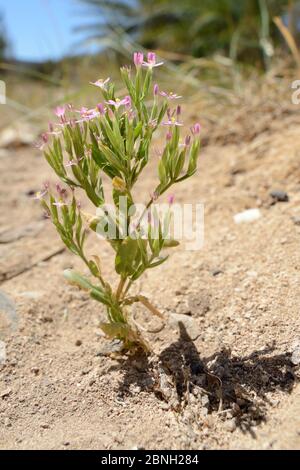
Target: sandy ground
{"type": "Point", "coordinates": [233, 363]}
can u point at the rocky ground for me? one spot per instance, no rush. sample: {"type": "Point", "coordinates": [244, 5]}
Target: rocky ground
{"type": "Point", "coordinates": [224, 373]}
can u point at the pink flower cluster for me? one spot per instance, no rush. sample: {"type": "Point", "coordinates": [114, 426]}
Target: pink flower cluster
{"type": "Point", "coordinates": [138, 59]}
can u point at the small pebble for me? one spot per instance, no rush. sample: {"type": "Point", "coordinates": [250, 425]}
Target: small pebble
{"type": "Point", "coordinates": [296, 220]}
{"type": "Point", "coordinates": [250, 215]}
{"type": "Point", "coordinates": [5, 393]}
{"type": "Point", "coordinates": [78, 342]}
{"type": "Point", "coordinates": [296, 354]}
{"type": "Point", "coordinates": [216, 272]}
{"type": "Point", "coordinates": [230, 425]}
{"type": "Point", "coordinates": [279, 196]}
{"type": "Point", "coordinates": [44, 425]}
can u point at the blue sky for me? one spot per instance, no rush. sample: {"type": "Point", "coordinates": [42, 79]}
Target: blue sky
{"type": "Point", "coordinates": [41, 29]}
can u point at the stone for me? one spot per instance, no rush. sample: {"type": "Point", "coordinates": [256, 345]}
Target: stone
{"type": "Point", "coordinates": [33, 295]}
{"type": "Point", "coordinates": [13, 234]}
{"type": "Point", "coordinates": [191, 325]}
{"type": "Point", "coordinates": [296, 353]}
{"type": "Point", "coordinates": [8, 314]}
{"type": "Point", "coordinates": [44, 425]}
{"type": "Point", "coordinates": [215, 272]}
{"type": "Point", "coordinates": [17, 136]}
{"type": "Point", "coordinates": [230, 425]}
{"type": "Point", "coordinates": [279, 196]}
{"type": "Point", "coordinates": [296, 219]}
{"type": "Point", "coordinates": [247, 216]}
{"type": "Point", "coordinates": [5, 393]}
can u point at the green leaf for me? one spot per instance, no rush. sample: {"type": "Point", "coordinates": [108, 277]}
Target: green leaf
{"type": "Point", "coordinates": [159, 262]}
{"type": "Point", "coordinates": [171, 243]}
{"type": "Point", "coordinates": [126, 256]}
{"type": "Point", "coordinates": [80, 281]}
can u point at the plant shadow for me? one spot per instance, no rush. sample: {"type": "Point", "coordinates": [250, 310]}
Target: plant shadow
{"type": "Point", "coordinates": [235, 383]}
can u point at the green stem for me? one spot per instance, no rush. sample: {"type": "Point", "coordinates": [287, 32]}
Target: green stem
{"type": "Point", "coordinates": [87, 263]}
{"type": "Point", "coordinates": [127, 289]}
{"type": "Point", "coordinates": [120, 287]}
{"type": "Point", "coordinates": [151, 202]}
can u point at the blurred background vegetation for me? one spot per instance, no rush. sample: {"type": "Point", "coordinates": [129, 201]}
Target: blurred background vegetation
{"type": "Point", "coordinates": [208, 44]}
{"type": "Point", "coordinates": [3, 39]}
{"type": "Point", "coordinates": [241, 30]}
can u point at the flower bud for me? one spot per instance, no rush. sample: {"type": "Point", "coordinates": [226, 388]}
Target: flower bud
{"type": "Point", "coordinates": [196, 129]}
{"type": "Point", "coordinates": [101, 108]}
{"type": "Point", "coordinates": [187, 140]}
{"type": "Point", "coordinates": [171, 199]}
{"type": "Point", "coordinates": [138, 58]}
{"type": "Point", "coordinates": [168, 136]}
{"type": "Point", "coordinates": [119, 184]}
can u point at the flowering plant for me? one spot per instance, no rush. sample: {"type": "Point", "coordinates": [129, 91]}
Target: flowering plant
{"type": "Point", "coordinates": [114, 139]}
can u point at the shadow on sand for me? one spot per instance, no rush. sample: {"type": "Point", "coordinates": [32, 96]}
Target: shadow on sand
{"type": "Point", "coordinates": [230, 382]}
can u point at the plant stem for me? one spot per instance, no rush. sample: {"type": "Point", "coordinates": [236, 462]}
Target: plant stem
{"type": "Point", "coordinates": [149, 306]}
{"type": "Point", "coordinates": [120, 287]}
{"type": "Point", "coordinates": [127, 289]}
{"type": "Point", "coordinates": [151, 202]}
{"type": "Point", "coordinates": [87, 263]}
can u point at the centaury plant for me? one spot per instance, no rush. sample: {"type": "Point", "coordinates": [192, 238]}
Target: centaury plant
{"type": "Point", "coordinates": [114, 139]}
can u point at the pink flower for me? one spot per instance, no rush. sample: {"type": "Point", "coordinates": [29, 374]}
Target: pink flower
{"type": "Point", "coordinates": [101, 108]}
{"type": "Point", "coordinates": [101, 83]}
{"type": "Point", "coordinates": [151, 61]}
{"type": "Point", "coordinates": [45, 137]}
{"type": "Point", "coordinates": [41, 194]}
{"type": "Point", "coordinates": [170, 96]}
{"type": "Point", "coordinates": [60, 111]}
{"type": "Point", "coordinates": [138, 59]}
{"type": "Point", "coordinates": [196, 129]}
{"type": "Point", "coordinates": [169, 136]}
{"type": "Point", "coordinates": [61, 191]}
{"type": "Point", "coordinates": [87, 114]}
{"type": "Point", "coordinates": [41, 144]}
{"type": "Point", "coordinates": [171, 199]}
{"type": "Point", "coordinates": [172, 122]}
{"type": "Point", "coordinates": [73, 162]}
{"type": "Point", "coordinates": [117, 103]}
